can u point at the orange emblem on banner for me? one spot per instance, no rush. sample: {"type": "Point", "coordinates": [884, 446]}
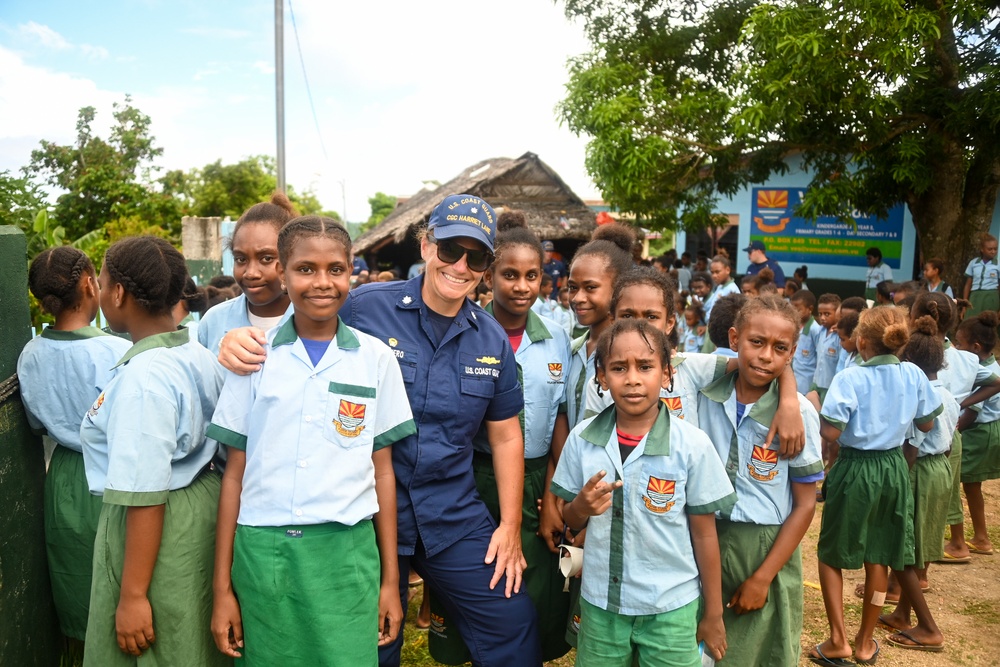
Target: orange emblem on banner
{"type": "Point", "coordinates": [763, 464]}
{"type": "Point", "coordinates": [659, 494]}
{"type": "Point", "coordinates": [352, 418]}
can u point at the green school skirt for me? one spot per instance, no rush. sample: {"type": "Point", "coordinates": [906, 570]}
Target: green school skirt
{"type": "Point", "coordinates": [868, 515]}
{"type": "Point", "coordinates": [956, 514]}
{"type": "Point", "coordinates": [981, 452]}
{"type": "Point", "coordinates": [871, 293]}
{"type": "Point", "coordinates": [71, 517]}
{"type": "Point", "coordinates": [930, 480]}
{"type": "Point", "coordinates": [541, 579]}
{"type": "Point", "coordinates": [770, 635]}
{"type": "Point", "coordinates": [180, 592]}
{"type": "Point", "coordinates": [981, 300]}
{"type": "Point", "coordinates": [308, 594]}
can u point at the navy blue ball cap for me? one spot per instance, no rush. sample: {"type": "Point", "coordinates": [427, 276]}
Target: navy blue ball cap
{"type": "Point", "coordinates": [464, 216]}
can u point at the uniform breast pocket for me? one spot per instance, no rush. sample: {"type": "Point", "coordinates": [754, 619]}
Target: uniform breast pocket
{"type": "Point", "coordinates": [661, 493]}
{"type": "Point", "coordinates": [350, 415]}
{"type": "Point", "coordinates": [407, 360]}
{"type": "Point", "coordinates": [478, 374]}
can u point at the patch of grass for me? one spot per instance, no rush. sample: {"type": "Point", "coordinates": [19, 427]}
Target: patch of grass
{"type": "Point", "coordinates": [984, 611]}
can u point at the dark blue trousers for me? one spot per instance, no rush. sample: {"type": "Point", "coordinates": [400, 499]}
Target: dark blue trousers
{"type": "Point", "coordinates": [498, 631]}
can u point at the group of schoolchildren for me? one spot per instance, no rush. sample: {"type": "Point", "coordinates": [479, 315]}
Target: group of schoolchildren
{"type": "Point", "coordinates": [688, 478]}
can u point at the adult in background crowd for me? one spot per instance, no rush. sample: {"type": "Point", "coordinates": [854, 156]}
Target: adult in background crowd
{"type": "Point", "coordinates": [555, 268]}
{"type": "Point", "coordinates": [757, 252]}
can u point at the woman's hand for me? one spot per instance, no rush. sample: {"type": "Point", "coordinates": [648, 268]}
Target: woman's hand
{"type": "Point", "coordinates": [242, 350]}
{"type": "Point", "coordinates": [227, 624]}
{"type": "Point", "coordinates": [505, 550]}
{"type": "Point", "coordinates": [134, 624]}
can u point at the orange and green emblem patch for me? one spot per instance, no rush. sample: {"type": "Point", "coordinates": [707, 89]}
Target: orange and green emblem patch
{"type": "Point", "coordinates": [763, 464]}
{"type": "Point", "coordinates": [675, 406]}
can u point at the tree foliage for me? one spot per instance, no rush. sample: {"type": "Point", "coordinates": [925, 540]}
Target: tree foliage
{"type": "Point", "coordinates": [885, 102]}
{"type": "Point", "coordinates": [103, 179]}
{"type": "Point", "coordinates": [381, 205]}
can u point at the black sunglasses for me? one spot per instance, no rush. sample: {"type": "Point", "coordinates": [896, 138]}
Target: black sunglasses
{"type": "Point", "coordinates": [449, 252]}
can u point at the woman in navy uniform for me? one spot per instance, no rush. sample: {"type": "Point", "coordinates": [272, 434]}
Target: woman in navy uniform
{"type": "Point", "coordinates": [460, 372]}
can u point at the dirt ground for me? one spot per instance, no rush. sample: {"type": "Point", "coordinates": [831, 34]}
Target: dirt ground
{"type": "Point", "coordinates": [965, 601]}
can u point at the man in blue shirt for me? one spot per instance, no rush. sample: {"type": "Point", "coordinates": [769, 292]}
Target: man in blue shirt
{"type": "Point", "coordinates": [555, 268]}
{"type": "Point", "coordinates": [758, 260]}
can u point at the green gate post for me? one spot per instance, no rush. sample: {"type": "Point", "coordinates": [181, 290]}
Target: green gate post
{"type": "Point", "coordinates": [29, 630]}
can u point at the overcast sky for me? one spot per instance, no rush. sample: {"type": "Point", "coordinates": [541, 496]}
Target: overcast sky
{"type": "Point", "coordinates": [403, 91]}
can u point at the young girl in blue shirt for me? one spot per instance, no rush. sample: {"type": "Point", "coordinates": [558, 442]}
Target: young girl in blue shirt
{"type": "Point", "coordinates": [868, 518]}
{"type": "Point", "coordinates": [77, 358]}
{"type": "Point", "coordinates": [146, 452]}
{"type": "Point", "coordinates": [309, 491]}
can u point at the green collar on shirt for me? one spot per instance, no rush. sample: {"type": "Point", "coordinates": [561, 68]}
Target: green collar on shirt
{"type": "Point", "coordinates": [534, 327]}
{"type": "Point", "coordinates": [947, 343]}
{"type": "Point", "coordinates": [657, 443]}
{"type": "Point", "coordinates": [987, 361]}
{"type": "Point", "coordinates": [763, 409]}
{"type": "Point", "coordinates": [880, 360]}
{"type": "Point", "coordinates": [579, 343]}
{"type": "Point", "coordinates": [808, 325]}
{"type": "Point", "coordinates": [74, 334]}
{"type": "Point", "coordinates": [169, 339]}
{"type": "Point", "coordinates": [346, 340]}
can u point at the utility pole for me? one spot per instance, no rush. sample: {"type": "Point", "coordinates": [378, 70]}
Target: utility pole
{"type": "Point", "coordinates": [279, 77]}
{"type": "Point", "coordinates": [343, 196]}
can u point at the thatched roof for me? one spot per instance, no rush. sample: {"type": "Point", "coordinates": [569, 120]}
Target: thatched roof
{"type": "Point", "coordinates": [525, 184]}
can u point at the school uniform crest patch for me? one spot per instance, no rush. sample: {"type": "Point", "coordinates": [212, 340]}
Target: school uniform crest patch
{"type": "Point", "coordinates": [763, 464]}
{"type": "Point", "coordinates": [659, 496]}
{"type": "Point", "coordinates": [555, 372]}
{"type": "Point", "coordinates": [674, 405]}
{"type": "Point", "coordinates": [96, 406]}
{"type": "Point", "coordinates": [352, 419]}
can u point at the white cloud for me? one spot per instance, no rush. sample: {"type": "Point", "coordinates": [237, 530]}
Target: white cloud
{"type": "Point", "coordinates": [264, 67]}
{"type": "Point", "coordinates": [94, 52]}
{"type": "Point", "coordinates": [43, 34]}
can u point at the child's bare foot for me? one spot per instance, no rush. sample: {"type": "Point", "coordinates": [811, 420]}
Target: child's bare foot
{"type": "Point", "coordinates": [895, 621]}
{"type": "Point", "coordinates": [826, 652]}
{"type": "Point", "coordinates": [866, 653]}
{"type": "Point", "coordinates": [981, 547]}
{"type": "Point", "coordinates": [956, 551]}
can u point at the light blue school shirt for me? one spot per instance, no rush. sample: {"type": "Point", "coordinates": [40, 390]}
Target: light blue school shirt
{"type": "Point", "coordinates": [638, 558]}
{"type": "Point", "coordinates": [692, 340]}
{"type": "Point", "coordinates": [938, 439]}
{"type": "Point", "coordinates": [827, 352]}
{"type": "Point", "coordinates": [309, 431]}
{"type": "Point", "coordinates": [542, 307]}
{"type": "Point", "coordinates": [691, 372]}
{"type": "Point", "coordinates": [61, 373]}
{"type": "Point", "coordinates": [717, 293]}
{"type": "Point", "coordinates": [874, 403]}
{"type": "Point", "coordinates": [962, 372]}
{"type": "Point", "coordinates": [989, 410]}
{"type": "Point", "coordinates": [725, 352]}
{"type": "Point", "coordinates": [580, 379]}
{"type": "Point", "coordinates": [220, 319]}
{"type": "Point", "coordinates": [846, 359]}
{"type": "Point", "coordinates": [144, 436]}
{"type": "Point", "coordinates": [763, 480]}
{"type": "Point", "coordinates": [983, 274]}
{"type": "Point", "coordinates": [542, 363]}
{"type": "Point", "coordinates": [877, 274]}
{"type": "Point", "coordinates": [804, 360]}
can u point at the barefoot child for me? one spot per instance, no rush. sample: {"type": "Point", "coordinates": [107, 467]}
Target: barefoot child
{"type": "Point", "coordinates": [930, 481]}
{"type": "Point", "coordinates": [309, 491]}
{"type": "Point", "coordinates": [652, 549]}
{"type": "Point", "coordinates": [254, 245]}
{"type": "Point", "coordinates": [775, 498]}
{"type": "Point", "coordinates": [76, 358]}
{"type": "Point", "coordinates": [146, 452]}
{"type": "Point", "coordinates": [868, 519]}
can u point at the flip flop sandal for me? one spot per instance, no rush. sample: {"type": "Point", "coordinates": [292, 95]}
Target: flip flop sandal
{"type": "Point", "coordinates": [872, 660]}
{"type": "Point", "coordinates": [829, 662]}
{"type": "Point", "coordinates": [912, 644]}
{"type": "Point", "coordinates": [888, 626]}
{"type": "Point", "coordinates": [948, 559]}
{"type": "Point", "coordinates": [981, 552]}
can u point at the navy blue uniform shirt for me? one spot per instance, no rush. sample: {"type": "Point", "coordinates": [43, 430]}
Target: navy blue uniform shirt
{"type": "Point", "coordinates": [470, 376]}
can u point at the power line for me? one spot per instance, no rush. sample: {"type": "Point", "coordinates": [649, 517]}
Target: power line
{"type": "Point", "coordinates": [312, 107]}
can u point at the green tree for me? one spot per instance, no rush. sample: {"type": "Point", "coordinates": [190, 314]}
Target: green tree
{"type": "Point", "coordinates": [20, 201]}
{"type": "Point", "coordinates": [382, 205]}
{"type": "Point", "coordinates": [885, 102]}
{"type": "Point", "coordinates": [103, 179]}
{"type": "Point", "coordinates": [229, 189]}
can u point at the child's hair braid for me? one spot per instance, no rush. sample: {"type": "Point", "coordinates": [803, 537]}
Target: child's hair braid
{"type": "Point", "coordinates": [150, 269]}
{"type": "Point", "coordinates": [310, 226]}
{"type": "Point", "coordinates": [884, 329]}
{"type": "Point", "coordinates": [925, 349]}
{"type": "Point", "coordinates": [54, 277]}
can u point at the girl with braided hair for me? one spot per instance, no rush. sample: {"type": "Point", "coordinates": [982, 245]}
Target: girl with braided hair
{"type": "Point", "coordinates": [76, 357]}
{"type": "Point", "coordinates": [146, 453]}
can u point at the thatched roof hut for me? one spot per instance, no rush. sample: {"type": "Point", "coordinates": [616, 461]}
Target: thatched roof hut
{"type": "Point", "coordinates": [525, 184]}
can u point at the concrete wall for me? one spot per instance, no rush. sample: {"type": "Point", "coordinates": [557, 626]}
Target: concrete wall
{"type": "Point", "coordinates": [29, 633]}
{"type": "Point", "coordinates": [201, 241]}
